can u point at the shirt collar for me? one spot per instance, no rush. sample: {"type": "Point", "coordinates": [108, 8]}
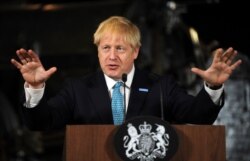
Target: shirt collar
{"type": "Point", "coordinates": [111, 82]}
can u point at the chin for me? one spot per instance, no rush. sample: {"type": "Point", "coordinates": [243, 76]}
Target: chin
{"type": "Point", "coordinates": [114, 76]}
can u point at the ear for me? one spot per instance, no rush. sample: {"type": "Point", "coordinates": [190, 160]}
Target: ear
{"type": "Point", "coordinates": [136, 52]}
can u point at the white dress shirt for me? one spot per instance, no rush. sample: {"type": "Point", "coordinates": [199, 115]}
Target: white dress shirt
{"type": "Point", "coordinates": [111, 82]}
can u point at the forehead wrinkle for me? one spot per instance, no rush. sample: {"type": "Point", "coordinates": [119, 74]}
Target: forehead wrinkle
{"type": "Point", "coordinates": [114, 38]}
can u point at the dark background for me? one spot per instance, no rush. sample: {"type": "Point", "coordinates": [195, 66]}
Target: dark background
{"type": "Point", "coordinates": [61, 33]}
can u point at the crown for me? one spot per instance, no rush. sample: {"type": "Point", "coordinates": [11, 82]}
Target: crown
{"type": "Point", "coordinates": [145, 128]}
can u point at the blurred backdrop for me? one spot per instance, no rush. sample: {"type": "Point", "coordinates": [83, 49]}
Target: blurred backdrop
{"type": "Point", "coordinates": [176, 35]}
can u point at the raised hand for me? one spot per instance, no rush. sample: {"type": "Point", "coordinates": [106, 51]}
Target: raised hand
{"type": "Point", "coordinates": [31, 68]}
{"type": "Point", "coordinates": [221, 68]}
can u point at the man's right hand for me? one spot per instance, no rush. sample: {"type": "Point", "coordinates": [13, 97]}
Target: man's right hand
{"type": "Point", "coordinates": [31, 68]}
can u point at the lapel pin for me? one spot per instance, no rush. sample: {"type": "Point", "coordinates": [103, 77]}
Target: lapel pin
{"type": "Point", "coordinates": [143, 90]}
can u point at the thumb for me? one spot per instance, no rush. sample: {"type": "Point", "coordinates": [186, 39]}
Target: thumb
{"type": "Point", "coordinates": [198, 71]}
{"type": "Point", "coordinates": [51, 71]}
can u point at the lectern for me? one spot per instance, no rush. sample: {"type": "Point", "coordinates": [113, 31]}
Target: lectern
{"type": "Point", "coordinates": [95, 143]}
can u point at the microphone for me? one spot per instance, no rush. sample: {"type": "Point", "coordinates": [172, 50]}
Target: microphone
{"type": "Point", "coordinates": [124, 80]}
{"type": "Point", "coordinates": [161, 101]}
{"type": "Point", "coordinates": [124, 77]}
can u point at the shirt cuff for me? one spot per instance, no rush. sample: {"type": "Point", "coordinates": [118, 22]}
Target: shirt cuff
{"type": "Point", "coordinates": [215, 95]}
{"type": "Point", "coordinates": [33, 96]}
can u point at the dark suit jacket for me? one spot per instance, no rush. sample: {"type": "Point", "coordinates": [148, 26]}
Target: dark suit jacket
{"type": "Point", "coordinates": [87, 101]}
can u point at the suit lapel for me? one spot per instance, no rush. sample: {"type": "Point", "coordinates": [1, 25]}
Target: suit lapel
{"type": "Point", "coordinates": [100, 97]}
{"type": "Point", "coordinates": [139, 90]}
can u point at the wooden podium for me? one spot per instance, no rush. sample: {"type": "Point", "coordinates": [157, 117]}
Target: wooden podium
{"type": "Point", "coordinates": [95, 143]}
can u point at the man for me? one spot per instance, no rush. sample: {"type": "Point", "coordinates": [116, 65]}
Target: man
{"type": "Point", "coordinates": [88, 100]}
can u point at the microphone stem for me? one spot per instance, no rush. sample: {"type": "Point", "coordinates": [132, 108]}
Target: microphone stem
{"type": "Point", "coordinates": [124, 79]}
{"type": "Point", "coordinates": [124, 89]}
{"type": "Point", "coordinates": [162, 105]}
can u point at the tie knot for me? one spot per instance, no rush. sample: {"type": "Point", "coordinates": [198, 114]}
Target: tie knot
{"type": "Point", "coordinates": [118, 85]}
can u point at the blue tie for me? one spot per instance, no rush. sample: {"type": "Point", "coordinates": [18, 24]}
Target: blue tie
{"type": "Point", "coordinates": [117, 104]}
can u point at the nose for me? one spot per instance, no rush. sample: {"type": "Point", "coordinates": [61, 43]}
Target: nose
{"type": "Point", "coordinates": [112, 54]}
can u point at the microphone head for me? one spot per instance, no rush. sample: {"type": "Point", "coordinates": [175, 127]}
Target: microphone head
{"type": "Point", "coordinates": [124, 77]}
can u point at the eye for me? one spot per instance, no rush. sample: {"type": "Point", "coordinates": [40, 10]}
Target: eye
{"type": "Point", "coordinates": [105, 48]}
{"type": "Point", "coordinates": [120, 49]}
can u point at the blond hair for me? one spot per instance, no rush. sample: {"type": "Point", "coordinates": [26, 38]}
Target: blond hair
{"type": "Point", "coordinates": [119, 25]}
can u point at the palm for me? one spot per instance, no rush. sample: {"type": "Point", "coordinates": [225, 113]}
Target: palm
{"type": "Point", "coordinates": [34, 73]}
{"type": "Point", "coordinates": [221, 67]}
{"type": "Point", "coordinates": [31, 67]}
{"type": "Point", "coordinates": [217, 74]}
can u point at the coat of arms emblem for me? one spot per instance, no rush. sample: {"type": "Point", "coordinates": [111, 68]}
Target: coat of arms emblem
{"type": "Point", "coordinates": [146, 145]}
{"type": "Point", "coordinates": [146, 140]}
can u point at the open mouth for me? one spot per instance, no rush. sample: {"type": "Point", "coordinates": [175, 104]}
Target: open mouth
{"type": "Point", "coordinates": [113, 67]}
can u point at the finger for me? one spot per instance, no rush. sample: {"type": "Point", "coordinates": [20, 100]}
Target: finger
{"type": "Point", "coordinates": [22, 50]}
{"type": "Point", "coordinates": [198, 71]}
{"type": "Point", "coordinates": [16, 63]}
{"type": "Point", "coordinates": [217, 55]}
{"type": "Point", "coordinates": [230, 59]}
{"type": "Point", "coordinates": [236, 64]}
{"type": "Point", "coordinates": [230, 50]}
{"type": "Point", "coordinates": [229, 54]}
{"type": "Point", "coordinates": [27, 56]}
{"type": "Point", "coordinates": [23, 56]}
{"type": "Point", "coordinates": [33, 56]}
{"type": "Point", "coordinates": [51, 71]}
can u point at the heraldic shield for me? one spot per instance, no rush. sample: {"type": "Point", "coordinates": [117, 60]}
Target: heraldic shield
{"type": "Point", "coordinates": [146, 139]}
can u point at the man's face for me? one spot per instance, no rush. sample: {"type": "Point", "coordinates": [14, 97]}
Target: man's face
{"type": "Point", "coordinates": [115, 55]}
